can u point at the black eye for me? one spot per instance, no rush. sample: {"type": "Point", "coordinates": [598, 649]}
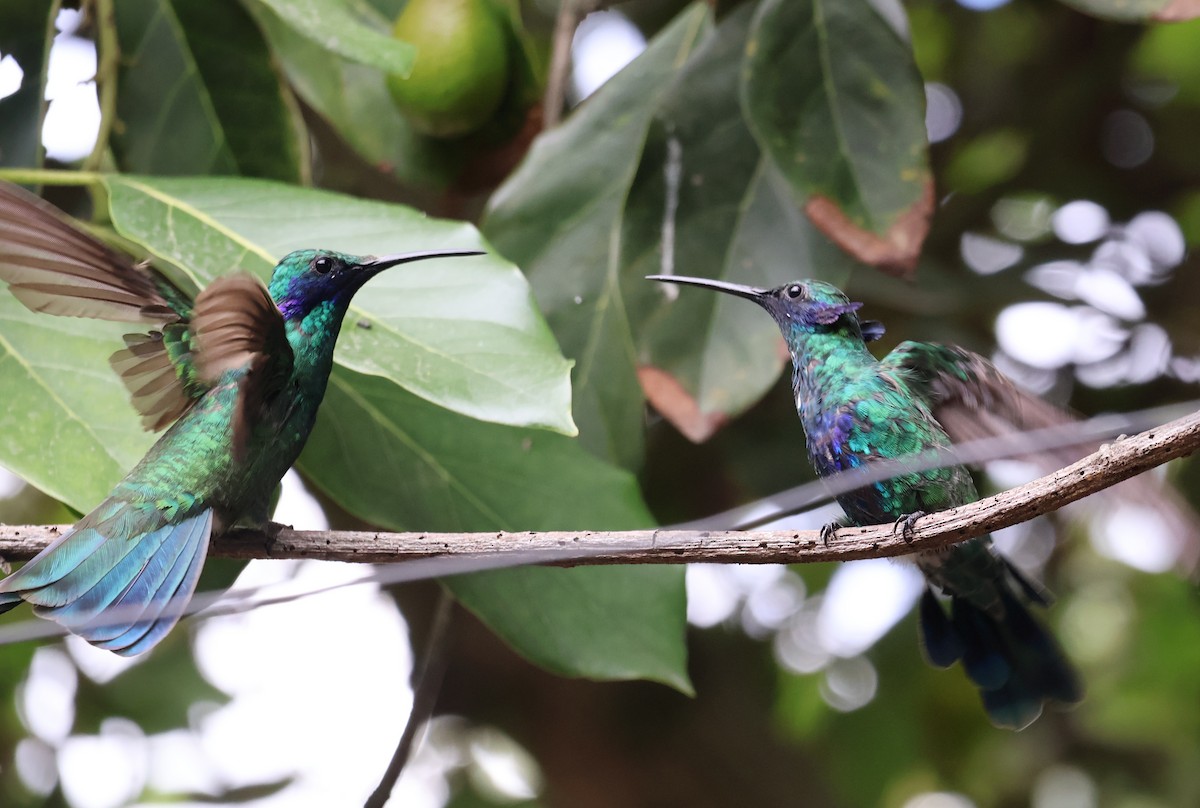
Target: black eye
{"type": "Point", "coordinates": [322, 264]}
{"type": "Point", "coordinates": [794, 291]}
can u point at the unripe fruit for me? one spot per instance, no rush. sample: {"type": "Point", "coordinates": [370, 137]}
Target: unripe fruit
{"type": "Point", "coordinates": [461, 71]}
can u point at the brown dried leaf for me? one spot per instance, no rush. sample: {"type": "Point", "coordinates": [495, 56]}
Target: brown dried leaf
{"type": "Point", "coordinates": [668, 396]}
{"type": "Point", "coordinates": [896, 252]}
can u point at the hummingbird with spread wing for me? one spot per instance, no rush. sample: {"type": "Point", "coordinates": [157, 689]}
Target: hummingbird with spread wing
{"type": "Point", "coordinates": [858, 410]}
{"type": "Point", "coordinates": [235, 376]}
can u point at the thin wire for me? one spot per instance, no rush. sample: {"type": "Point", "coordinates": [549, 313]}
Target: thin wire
{"type": "Point", "coordinates": [216, 604]}
{"type": "Point", "coordinates": [982, 450]}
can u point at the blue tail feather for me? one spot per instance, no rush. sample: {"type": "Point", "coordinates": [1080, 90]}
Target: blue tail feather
{"type": "Point", "coordinates": [131, 599]}
{"type": "Point", "coordinates": [1011, 657]}
{"type": "Point", "coordinates": [76, 613]}
{"type": "Point", "coordinates": [115, 590]}
{"type": "Point", "coordinates": [58, 559]}
{"type": "Point", "coordinates": [167, 604]}
{"type": "Point", "coordinates": [128, 609]}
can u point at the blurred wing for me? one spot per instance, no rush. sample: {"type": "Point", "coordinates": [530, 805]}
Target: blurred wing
{"type": "Point", "coordinates": [972, 399]}
{"type": "Point", "coordinates": [237, 327]}
{"type": "Point", "coordinates": [53, 266]}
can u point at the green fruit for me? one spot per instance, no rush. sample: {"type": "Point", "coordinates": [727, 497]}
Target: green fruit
{"type": "Point", "coordinates": [461, 70]}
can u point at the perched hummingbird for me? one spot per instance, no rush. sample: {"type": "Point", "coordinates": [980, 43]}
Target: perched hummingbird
{"type": "Point", "coordinates": [856, 410]}
{"type": "Point", "coordinates": [238, 374]}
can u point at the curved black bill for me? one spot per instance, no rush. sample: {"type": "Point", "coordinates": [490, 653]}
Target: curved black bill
{"type": "Point", "coordinates": [748, 292]}
{"type": "Point", "coordinates": [385, 261]}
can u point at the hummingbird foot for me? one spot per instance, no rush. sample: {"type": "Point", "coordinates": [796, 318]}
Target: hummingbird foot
{"type": "Point", "coordinates": [906, 523]}
{"type": "Point", "coordinates": [829, 532]}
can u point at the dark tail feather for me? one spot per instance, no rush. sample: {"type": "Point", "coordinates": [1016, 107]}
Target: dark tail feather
{"type": "Point", "coordinates": [943, 646]}
{"type": "Point", "coordinates": [1014, 661]}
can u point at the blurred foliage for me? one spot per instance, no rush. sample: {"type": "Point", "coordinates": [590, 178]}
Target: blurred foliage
{"type": "Point", "coordinates": [704, 152]}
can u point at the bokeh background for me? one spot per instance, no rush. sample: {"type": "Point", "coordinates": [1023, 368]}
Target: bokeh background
{"type": "Point", "coordinates": [1062, 146]}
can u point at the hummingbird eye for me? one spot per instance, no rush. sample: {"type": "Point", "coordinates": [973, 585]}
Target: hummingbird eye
{"type": "Point", "coordinates": [322, 264]}
{"type": "Point", "coordinates": [794, 291]}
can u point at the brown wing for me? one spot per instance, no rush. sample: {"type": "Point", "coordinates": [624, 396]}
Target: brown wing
{"type": "Point", "coordinates": [237, 326]}
{"type": "Point", "coordinates": [53, 266]}
{"type": "Point", "coordinates": [972, 399]}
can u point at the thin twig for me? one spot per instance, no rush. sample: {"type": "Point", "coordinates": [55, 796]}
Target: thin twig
{"type": "Point", "coordinates": [569, 13]}
{"type": "Point", "coordinates": [48, 36]}
{"type": "Point", "coordinates": [107, 60]}
{"type": "Point", "coordinates": [466, 552]}
{"type": "Point", "coordinates": [425, 692]}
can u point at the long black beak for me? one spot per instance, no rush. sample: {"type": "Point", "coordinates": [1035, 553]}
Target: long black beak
{"type": "Point", "coordinates": [385, 261]}
{"type": "Point", "coordinates": [748, 292]}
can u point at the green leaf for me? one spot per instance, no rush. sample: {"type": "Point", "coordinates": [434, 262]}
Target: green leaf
{"type": "Point", "coordinates": [462, 333]}
{"type": "Point", "coordinates": [832, 93]}
{"type": "Point", "coordinates": [403, 463]}
{"type": "Point", "coordinates": [336, 28]}
{"type": "Point", "coordinates": [396, 460]}
{"type": "Point", "coordinates": [733, 218]}
{"type": "Point", "coordinates": [560, 216]}
{"type": "Point", "coordinates": [595, 622]}
{"type": "Point", "coordinates": [346, 93]}
{"type": "Point", "coordinates": [26, 30]}
{"type": "Point", "coordinates": [199, 94]}
{"type": "Point", "coordinates": [66, 425]}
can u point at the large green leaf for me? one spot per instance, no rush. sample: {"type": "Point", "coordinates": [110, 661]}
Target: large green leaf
{"type": "Point", "coordinates": [396, 460]}
{"type": "Point", "coordinates": [66, 425]}
{"type": "Point", "coordinates": [335, 26]}
{"type": "Point", "coordinates": [595, 622]}
{"type": "Point", "coordinates": [560, 216]}
{"type": "Point", "coordinates": [403, 463]}
{"type": "Point", "coordinates": [199, 94]}
{"type": "Point", "coordinates": [833, 95]}
{"type": "Point", "coordinates": [462, 333]}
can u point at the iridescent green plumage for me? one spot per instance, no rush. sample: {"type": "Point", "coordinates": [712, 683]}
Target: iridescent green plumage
{"type": "Point", "coordinates": [239, 375]}
{"type": "Point", "coordinates": [857, 410]}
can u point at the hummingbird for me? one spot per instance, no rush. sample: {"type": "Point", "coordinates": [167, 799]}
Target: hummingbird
{"type": "Point", "coordinates": [857, 410]}
{"type": "Point", "coordinates": [235, 376]}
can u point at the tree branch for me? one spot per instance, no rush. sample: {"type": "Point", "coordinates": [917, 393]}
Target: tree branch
{"type": "Point", "coordinates": [464, 552]}
{"type": "Point", "coordinates": [108, 62]}
{"type": "Point", "coordinates": [569, 14]}
{"type": "Point", "coordinates": [427, 685]}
